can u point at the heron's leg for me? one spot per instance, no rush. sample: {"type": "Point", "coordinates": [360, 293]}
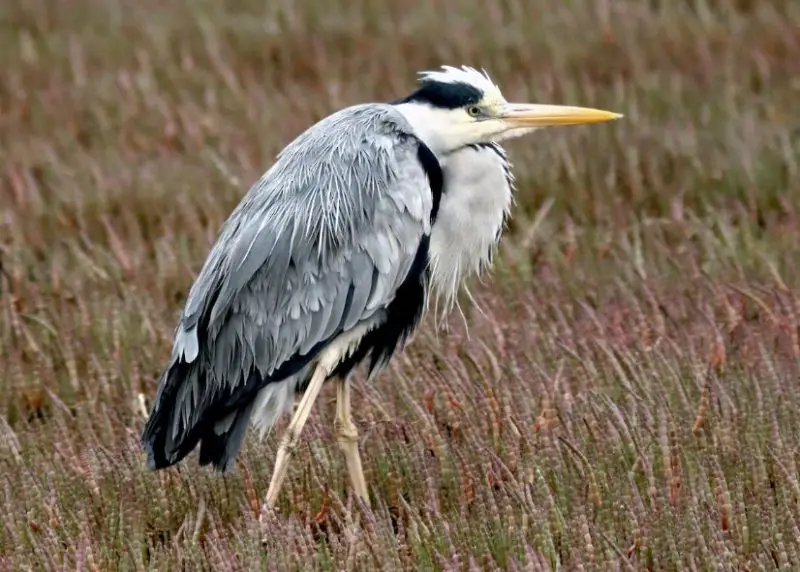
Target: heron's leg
{"type": "Point", "coordinates": [292, 435]}
{"type": "Point", "coordinates": [347, 437]}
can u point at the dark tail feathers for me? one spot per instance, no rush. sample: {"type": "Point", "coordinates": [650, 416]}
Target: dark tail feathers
{"type": "Point", "coordinates": [219, 448]}
{"type": "Point", "coordinates": [219, 430]}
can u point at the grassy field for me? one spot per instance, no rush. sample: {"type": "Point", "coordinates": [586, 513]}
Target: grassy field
{"type": "Point", "coordinates": [626, 396]}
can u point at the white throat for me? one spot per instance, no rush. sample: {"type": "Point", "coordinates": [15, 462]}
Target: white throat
{"type": "Point", "coordinates": [476, 200]}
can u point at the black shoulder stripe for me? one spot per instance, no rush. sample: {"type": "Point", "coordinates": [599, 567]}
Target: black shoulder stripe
{"type": "Point", "coordinates": [435, 176]}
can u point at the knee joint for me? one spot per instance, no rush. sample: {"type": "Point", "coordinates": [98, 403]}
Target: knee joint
{"type": "Point", "coordinates": [290, 442]}
{"type": "Point", "coordinates": [346, 433]}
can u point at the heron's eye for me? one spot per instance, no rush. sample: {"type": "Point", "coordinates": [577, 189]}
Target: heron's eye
{"type": "Point", "coordinates": [474, 111]}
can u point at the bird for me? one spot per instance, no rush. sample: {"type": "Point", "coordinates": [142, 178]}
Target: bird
{"type": "Point", "coordinates": [329, 263]}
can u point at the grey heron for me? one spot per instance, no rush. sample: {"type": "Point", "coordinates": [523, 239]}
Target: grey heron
{"type": "Point", "coordinates": [329, 260]}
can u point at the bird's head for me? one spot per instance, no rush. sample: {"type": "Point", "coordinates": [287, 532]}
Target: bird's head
{"type": "Point", "coordinates": [455, 107]}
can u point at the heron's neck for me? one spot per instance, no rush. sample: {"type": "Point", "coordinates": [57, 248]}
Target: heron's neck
{"type": "Point", "coordinates": [432, 126]}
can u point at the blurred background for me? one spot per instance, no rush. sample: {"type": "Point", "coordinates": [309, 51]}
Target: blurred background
{"type": "Point", "coordinates": [626, 395]}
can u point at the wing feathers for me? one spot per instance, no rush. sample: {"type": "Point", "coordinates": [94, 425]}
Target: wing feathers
{"type": "Point", "coordinates": [362, 270]}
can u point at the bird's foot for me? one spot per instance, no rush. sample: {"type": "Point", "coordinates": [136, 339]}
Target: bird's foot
{"type": "Point", "coordinates": [267, 522]}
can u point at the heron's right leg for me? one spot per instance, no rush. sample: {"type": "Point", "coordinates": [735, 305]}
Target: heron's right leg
{"type": "Point", "coordinates": [347, 436]}
{"type": "Point", "coordinates": [292, 435]}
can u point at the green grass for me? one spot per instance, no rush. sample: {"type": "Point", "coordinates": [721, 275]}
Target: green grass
{"type": "Point", "coordinates": [627, 396]}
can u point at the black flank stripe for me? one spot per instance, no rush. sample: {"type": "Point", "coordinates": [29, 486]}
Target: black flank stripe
{"type": "Point", "coordinates": [402, 318]}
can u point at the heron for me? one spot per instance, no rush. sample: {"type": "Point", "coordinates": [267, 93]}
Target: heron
{"type": "Point", "coordinates": [329, 262]}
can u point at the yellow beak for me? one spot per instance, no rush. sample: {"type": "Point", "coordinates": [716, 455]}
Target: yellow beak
{"type": "Point", "coordinates": [522, 115]}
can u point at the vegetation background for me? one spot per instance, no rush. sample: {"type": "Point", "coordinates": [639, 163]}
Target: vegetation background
{"type": "Point", "coordinates": [625, 399]}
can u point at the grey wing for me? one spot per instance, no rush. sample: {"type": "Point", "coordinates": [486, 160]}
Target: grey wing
{"type": "Point", "coordinates": [296, 301]}
{"type": "Point", "coordinates": [314, 249]}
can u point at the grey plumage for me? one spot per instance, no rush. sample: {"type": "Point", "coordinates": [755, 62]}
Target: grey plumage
{"type": "Point", "coordinates": [318, 245]}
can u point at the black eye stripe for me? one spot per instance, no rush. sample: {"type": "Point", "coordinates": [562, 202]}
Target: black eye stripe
{"type": "Point", "coordinates": [445, 95]}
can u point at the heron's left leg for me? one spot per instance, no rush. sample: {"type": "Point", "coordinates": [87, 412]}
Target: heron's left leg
{"type": "Point", "coordinates": [292, 436]}
{"type": "Point", "coordinates": [347, 437]}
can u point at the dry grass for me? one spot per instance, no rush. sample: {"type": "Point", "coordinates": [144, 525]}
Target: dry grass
{"type": "Point", "coordinates": [629, 397]}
